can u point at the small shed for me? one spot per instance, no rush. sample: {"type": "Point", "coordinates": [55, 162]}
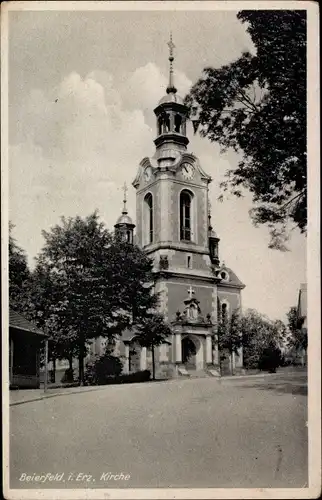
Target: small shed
{"type": "Point", "coordinates": [25, 342]}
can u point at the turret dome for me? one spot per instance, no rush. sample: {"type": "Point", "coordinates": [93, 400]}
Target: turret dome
{"type": "Point", "coordinates": [170, 98]}
{"type": "Point", "coordinates": [124, 219]}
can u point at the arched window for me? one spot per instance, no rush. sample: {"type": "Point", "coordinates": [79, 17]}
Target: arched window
{"type": "Point", "coordinates": [177, 123]}
{"type": "Point", "coordinates": [160, 122]}
{"type": "Point", "coordinates": [148, 202]}
{"type": "Point", "coordinates": [224, 312]}
{"type": "Point", "coordinates": [185, 215]}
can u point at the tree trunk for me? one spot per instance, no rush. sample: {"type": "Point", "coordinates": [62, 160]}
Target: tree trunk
{"type": "Point", "coordinates": [70, 360]}
{"type": "Point", "coordinates": [53, 373]}
{"type": "Point", "coordinates": [231, 362]}
{"type": "Point", "coordinates": [81, 363]}
{"type": "Point", "coordinates": [81, 369]}
{"type": "Point", "coordinates": [153, 363]}
{"type": "Point", "coordinates": [81, 357]}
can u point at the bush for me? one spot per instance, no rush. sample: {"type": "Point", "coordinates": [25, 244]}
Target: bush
{"type": "Point", "coordinates": [125, 378]}
{"type": "Point", "coordinates": [102, 369]}
{"type": "Point", "coordinates": [270, 359]}
{"type": "Point", "coordinates": [128, 378]}
{"type": "Point", "coordinates": [68, 376]}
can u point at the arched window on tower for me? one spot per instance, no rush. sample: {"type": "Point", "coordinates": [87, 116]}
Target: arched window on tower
{"type": "Point", "coordinates": [177, 123]}
{"type": "Point", "coordinates": [148, 206]}
{"type": "Point", "coordinates": [185, 215]}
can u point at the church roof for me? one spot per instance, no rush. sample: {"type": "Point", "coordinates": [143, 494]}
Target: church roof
{"type": "Point", "coordinates": [16, 320]}
{"type": "Point", "coordinates": [233, 279]}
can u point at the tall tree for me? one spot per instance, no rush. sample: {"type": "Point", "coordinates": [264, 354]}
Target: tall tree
{"type": "Point", "coordinates": [257, 106]}
{"type": "Point", "coordinates": [19, 276]}
{"type": "Point", "coordinates": [297, 334]}
{"type": "Point", "coordinates": [262, 339]}
{"type": "Point", "coordinates": [47, 310]}
{"type": "Point", "coordinates": [96, 286]}
{"type": "Point", "coordinates": [229, 335]}
{"type": "Point", "coordinates": [152, 332]}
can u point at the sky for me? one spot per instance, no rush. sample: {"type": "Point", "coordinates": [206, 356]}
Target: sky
{"type": "Point", "coordinates": [82, 89]}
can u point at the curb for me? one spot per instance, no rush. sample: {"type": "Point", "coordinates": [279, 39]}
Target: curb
{"type": "Point", "coordinates": [47, 396]}
{"type": "Point", "coordinates": [258, 375]}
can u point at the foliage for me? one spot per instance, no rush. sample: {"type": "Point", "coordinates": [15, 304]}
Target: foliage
{"type": "Point", "coordinates": [128, 378]}
{"type": "Point", "coordinates": [102, 369]}
{"type": "Point", "coordinates": [298, 334]}
{"type": "Point", "coordinates": [229, 333]}
{"type": "Point", "coordinates": [257, 106]}
{"type": "Point", "coordinates": [152, 331]}
{"type": "Point", "coordinates": [123, 378]}
{"type": "Point", "coordinates": [68, 376]}
{"type": "Point", "coordinates": [262, 340]}
{"type": "Point", "coordinates": [87, 284]}
{"type": "Point", "coordinates": [19, 276]}
{"type": "Point", "coordinates": [270, 359]}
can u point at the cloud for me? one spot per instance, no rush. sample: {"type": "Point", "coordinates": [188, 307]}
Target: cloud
{"type": "Point", "coordinates": [79, 141]}
{"type": "Point", "coordinates": [147, 84]}
{"type": "Point", "coordinates": [77, 144]}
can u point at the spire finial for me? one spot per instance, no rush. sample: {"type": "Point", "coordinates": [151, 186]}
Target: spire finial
{"type": "Point", "coordinates": [124, 211]}
{"type": "Point", "coordinates": [171, 88]}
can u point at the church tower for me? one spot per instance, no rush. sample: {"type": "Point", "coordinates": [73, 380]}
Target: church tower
{"type": "Point", "coordinates": [174, 228]}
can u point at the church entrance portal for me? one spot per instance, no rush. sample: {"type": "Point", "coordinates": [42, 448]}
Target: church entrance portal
{"type": "Point", "coordinates": [189, 352]}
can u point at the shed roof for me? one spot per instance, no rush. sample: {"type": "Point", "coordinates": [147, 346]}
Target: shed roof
{"type": "Point", "coordinates": [17, 320]}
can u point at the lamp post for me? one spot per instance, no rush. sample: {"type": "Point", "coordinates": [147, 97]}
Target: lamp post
{"type": "Point", "coordinates": [46, 366]}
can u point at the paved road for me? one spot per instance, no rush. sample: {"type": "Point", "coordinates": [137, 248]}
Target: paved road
{"type": "Point", "coordinates": [190, 433]}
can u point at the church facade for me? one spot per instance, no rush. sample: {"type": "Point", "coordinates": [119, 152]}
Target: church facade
{"type": "Point", "coordinates": [173, 226]}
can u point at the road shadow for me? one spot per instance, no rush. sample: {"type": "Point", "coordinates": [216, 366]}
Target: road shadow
{"type": "Point", "coordinates": [287, 387]}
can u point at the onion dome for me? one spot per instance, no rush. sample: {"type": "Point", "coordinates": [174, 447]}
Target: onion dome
{"type": "Point", "coordinates": [124, 225]}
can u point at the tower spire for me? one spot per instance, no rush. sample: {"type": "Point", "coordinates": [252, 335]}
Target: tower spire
{"type": "Point", "coordinates": [124, 211]}
{"type": "Point", "coordinates": [171, 88]}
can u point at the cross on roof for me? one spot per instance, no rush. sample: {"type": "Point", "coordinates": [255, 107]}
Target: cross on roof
{"type": "Point", "coordinates": [191, 291]}
{"type": "Point", "coordinates": [124, 211]}
{"type": "Point", "coordinates": [171, 45]}
{"type": "Point", "coordinates": [125, 189]}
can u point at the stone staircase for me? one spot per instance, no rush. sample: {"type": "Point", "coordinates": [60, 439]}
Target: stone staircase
{"type": "Point", "coordinates": [190, 373]}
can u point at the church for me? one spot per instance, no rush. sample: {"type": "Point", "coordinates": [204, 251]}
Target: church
{"type": "Point", "coordinates": [173, 226]}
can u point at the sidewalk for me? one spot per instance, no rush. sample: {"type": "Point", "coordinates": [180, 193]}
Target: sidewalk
{"type": "Point", "coordinates": [20, 396]}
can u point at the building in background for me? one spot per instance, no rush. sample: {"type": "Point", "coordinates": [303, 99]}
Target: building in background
{"type": "Point", "coordinates": [302, 320]}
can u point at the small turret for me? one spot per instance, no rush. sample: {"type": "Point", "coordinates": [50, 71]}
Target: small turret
{"type": "Point", "coordinates": [124, 226]}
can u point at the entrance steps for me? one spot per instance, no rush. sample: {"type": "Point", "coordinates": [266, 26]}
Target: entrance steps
{"type": "Point", "coordinates": [189, 373]}
{"type": "Point", "coordinates": [198, 374]}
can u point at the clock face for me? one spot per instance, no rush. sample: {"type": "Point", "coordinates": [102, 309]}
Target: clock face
{"type": "Point", "coordinates": [187, 170]}
{"type": "Point", "coordinates": [148, 173]}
